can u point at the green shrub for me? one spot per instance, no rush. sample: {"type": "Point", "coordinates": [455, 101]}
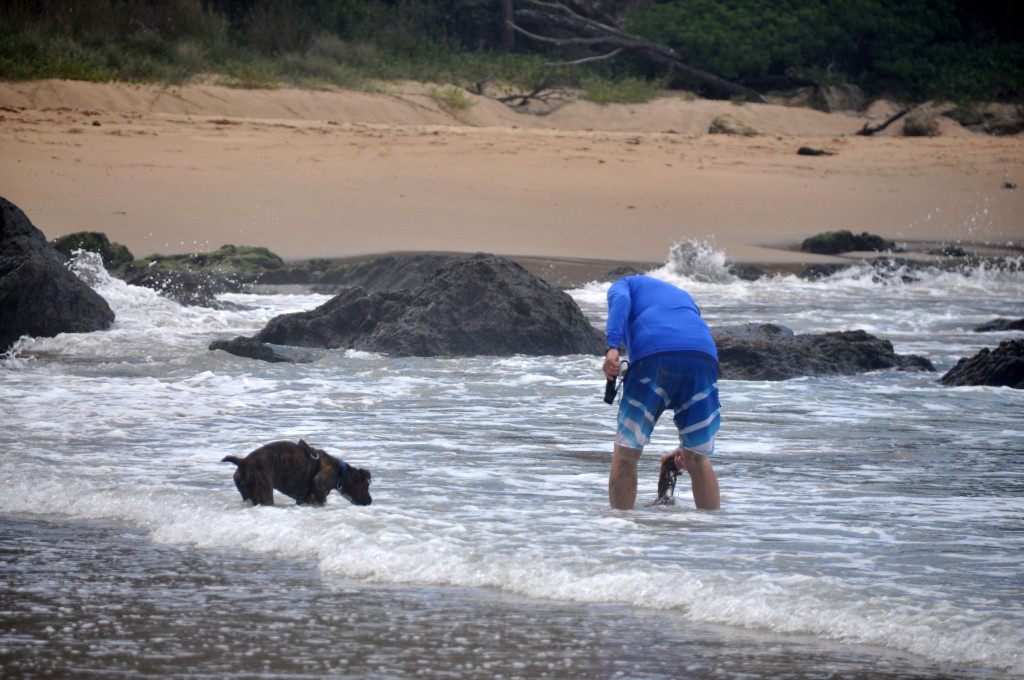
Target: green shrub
{"type": "Point", "coordinates": [452, 99]}
{"type": "Point", "coordinates": [624, 91]}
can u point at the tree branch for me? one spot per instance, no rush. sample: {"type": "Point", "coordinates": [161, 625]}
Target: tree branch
{"type": "Point", "coordinates": [869, 130]}
{"type": "Point", "coordinates": [586, 60]}
{"type": "Point", "coordinates": [592, 33]}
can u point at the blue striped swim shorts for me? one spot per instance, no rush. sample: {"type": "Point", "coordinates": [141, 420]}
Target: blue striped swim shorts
{"type": "Point", "coordinates": [687, 383]}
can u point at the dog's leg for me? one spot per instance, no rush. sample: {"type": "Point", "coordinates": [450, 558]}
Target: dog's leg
{"type": "Point", "coordinates": [261, 490]}
{"type": "Point", "coordinates": [238, 485]}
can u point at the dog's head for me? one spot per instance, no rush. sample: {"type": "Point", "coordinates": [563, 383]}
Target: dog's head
{"type": "Point", "coordinates": [354, 483]}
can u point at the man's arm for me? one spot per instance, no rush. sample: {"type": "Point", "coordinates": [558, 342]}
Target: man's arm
{"type": "Point", "coordinates": [619, 304]}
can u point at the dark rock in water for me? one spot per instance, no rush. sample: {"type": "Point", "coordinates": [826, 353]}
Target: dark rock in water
{"type": "Point", "coordinates": [384, 272]}
{"type": "Point", "coordinates": [770, 352]}
{"type": "Point", "coordinates": [474, 305]}
{"type": "Point", "coordinates": [114, 255]}
{"type": "Point", "coordinates": [949, 251]}
{"type": "Point", "coordinates": [746, 272]}
{"type": "Point", "coordinates": [843, 241]}
{"type": "Point", "coordinates": [181, 286]}
{"type": "Point", "coordinates": [1000, 324]}
{"type": "Point", "coordinates": [1003, 366]}
{"type": "Point", "coordinates": [888, 268]}
{"type": "Point", "coordinates": [251, 348]}
{"type": "Point", "coordinates": [882, 269]}
{"type": "Point", "coordinates": [39, 296]}
{"type": "Point", "coordinates": [223, 270]}
{"type": "Point", "coordinates": [822, 271]}
{"type": "Point", "coordinates": [619, 273]}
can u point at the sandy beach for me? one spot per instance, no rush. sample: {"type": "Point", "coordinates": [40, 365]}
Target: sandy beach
{"type": "Point", "coordinates": [343, 174]}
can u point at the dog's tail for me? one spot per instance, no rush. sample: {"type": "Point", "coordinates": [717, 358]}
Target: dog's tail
{"type": "Point", "coordinates": [232, 459]}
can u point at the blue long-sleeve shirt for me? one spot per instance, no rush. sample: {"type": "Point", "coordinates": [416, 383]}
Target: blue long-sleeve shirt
{"type": "Point", "coordinates": [651, 317]}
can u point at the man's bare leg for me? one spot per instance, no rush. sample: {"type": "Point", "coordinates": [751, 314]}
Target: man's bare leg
{"type": "Point", "coordinates": [622, 480]}
{"type": "Point", "coordinates": [703, 480]}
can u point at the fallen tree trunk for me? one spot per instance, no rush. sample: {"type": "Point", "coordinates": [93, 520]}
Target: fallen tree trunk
{"type": "Point", "coordinates": [597, 35]}
{"type": "Point", "coordinates": [869, 130]}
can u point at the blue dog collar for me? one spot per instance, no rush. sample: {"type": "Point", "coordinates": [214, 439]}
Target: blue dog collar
{"type": "Point", "coordinates": [344, 472]}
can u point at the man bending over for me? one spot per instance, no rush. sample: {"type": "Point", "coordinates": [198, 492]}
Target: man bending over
{"type": "Point", "coordinates": [673, 363]}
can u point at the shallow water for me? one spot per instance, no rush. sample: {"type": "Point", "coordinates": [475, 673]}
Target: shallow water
{"type": "Point", "coordinates": [871, 525]}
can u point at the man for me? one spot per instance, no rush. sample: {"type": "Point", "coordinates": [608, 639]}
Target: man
{"type": "Point", "coordinates": [673, 363]}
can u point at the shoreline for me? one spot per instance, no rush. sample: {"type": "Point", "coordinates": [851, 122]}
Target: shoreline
{"type": "Point", "coordinates": [573, 272]}
{"type": "Point", "coordinates": [347, 174]}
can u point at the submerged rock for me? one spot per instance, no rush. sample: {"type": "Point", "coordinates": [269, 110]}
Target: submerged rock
{"type": "Point", "coordinates": [474, 305]}
{"type": "Point", "coordinates": [39, 296]}
{"type": "Point", "coordinates": [1000, 324]}
{"type": "Point", "coordinates": [1003, 366]}
{"type": "Point", "coordinates": [771, 352]}
{"type": "Point", "coordinates": [251, 348]}
{"type": "Point", "coordinates": [183, 287]}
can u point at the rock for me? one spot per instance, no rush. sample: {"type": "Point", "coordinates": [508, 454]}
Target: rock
{"type": "Point", "coordinates": [969, 118]}
{"type": "Point", "coordinates": [183, 287]}
{"type": "Point", "coordinates": [114, 255]}
{"type": "Point", "coordinates": [770, 352]}
{"type": "Point", "coordinates": [882, 270]}
{"type": "Point", "coordinates": [618, 273]}
{"type": "Point", "coordinates": [1003, 366]}
{"type": "Point", "coordinates": [948, 251]}
{"type": "Point", "coordinates": [474, 305]}
{"type": "Point", "coordinates": [844, 241]}
{"type": "Point", "coordinates": [728, 124]}
{"type": "Point", "coordinates": [251, 348]}
{"type": "Point", "coordinates": [822, 271]}
{"type": "Point", "coordinates": [800, 96]}
{"type": "Point", "coordinates": [224, 269]}
{"type": "Point", "coordinates": [746, 272]}
{"type": "Point", "coordinates": [39, 296]}
{"type": "Point", "coordinates": [1000, 324]}
{"type": "Point", "coordinates": [1003, 119]}
{"type": "Point", "coordinates": [921, 124]}
{"type": "Point", "coordinates": [385, 272]}
{"type": "Point", "coordinates": [842, 97]}
{"type": "Point", "coordinates": [995, 118]}
{"type": "Point", "coordinates": [811, 151]}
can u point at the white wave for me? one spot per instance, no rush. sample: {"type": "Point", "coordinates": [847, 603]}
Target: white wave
{"type": "Point", "coordinates": [391, 543]}
{"type": "Point", "coordinates": [147, 324]}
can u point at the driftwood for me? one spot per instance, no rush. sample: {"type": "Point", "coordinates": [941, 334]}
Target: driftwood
{"type": "Point", "coordinates": [559, 18]}
{"type": "Point", "coordinates": [869, 130]}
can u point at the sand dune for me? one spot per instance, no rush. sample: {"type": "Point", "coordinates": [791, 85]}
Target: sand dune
{"type": "Point", "coordinates": [334, 174]}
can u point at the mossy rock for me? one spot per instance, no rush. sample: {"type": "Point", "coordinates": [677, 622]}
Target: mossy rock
{"type": "Point", "coordinates": [844, 241]}
{"type": "Point", "coordinates": [243, 260]}
{"type": "Point", "coordinates": [114, 255]}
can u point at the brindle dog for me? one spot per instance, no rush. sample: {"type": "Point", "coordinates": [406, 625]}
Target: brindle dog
{"type": "Point", "coordinates": [299, 471]}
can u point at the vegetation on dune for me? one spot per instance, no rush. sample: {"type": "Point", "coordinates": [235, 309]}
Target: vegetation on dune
{"type": "Point", "coordinates": [917, 49]}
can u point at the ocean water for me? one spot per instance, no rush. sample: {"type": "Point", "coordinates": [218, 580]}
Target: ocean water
{"type": "Point", "coordinates": [871, 526]}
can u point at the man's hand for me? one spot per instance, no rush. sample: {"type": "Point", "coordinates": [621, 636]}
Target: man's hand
{"type": "Point", "coordinates": [611, 364]}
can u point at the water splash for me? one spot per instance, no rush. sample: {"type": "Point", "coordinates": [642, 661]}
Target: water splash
{"type": "Point", "coordinates": [696, 261]}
